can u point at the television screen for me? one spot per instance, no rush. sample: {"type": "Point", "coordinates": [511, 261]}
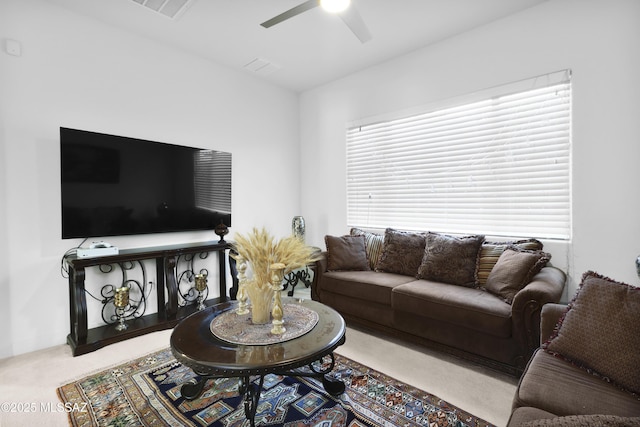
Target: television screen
{"type": "Point", "coordinates": [113, 185]}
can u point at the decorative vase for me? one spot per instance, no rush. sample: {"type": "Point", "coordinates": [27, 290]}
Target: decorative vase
{"type": "Point", "coordinates": [221, 230]}
{"type": "Point", "coordinates": [261, 298]}
{"type": "Point", "coordinates": [298, 227]}
{"type": "Point", "coordinates": [638, 266]}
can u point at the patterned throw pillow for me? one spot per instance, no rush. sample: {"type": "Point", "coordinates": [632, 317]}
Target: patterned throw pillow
{"type": "Point", "coordinates": [599, 331]}
{"type": "Point", "coordinates": [346, 253]}
{"type": "Point", "coordinates": [401, 252]}
{"type": "Point", "coordinates": [372, 244]}
{"type": "Point", "coordinates": [491, 251]}
{"type": "Point", "coordinates": [514, 270]}
{"type": "Point", "coordinates": [450, 259]}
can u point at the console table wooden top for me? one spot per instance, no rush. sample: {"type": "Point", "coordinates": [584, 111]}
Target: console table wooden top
{"type": "Point", "coordinates": [150, 252]}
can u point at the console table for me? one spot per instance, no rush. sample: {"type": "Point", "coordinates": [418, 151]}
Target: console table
{"type": "Point", "coordinates": [83, 340]}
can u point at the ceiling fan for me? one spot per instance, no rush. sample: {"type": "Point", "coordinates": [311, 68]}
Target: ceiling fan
{"type": "Point", "coordinates": [344, 9]}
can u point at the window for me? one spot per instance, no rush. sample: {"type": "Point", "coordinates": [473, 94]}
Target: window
{"type": "Point", "coordinates": [499, 165]}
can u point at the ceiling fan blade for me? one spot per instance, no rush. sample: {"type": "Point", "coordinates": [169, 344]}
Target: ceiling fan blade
{"type": "Point", "coordinates": [356, 24]}
{"type": "Point", "coordinates": [303, 7]}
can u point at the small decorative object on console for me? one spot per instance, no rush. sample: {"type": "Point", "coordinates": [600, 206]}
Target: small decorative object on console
{"type": "Point", "coordinates": [298, 227]}
{"type": "Point", "coordinates": [121, 301]}
{"type": "Point", "coordinates": [201, 285]}
{"type": "Point", "coordinates": [638, 265]}
{"type": "Point", "coordinates": [97, 249]}
{"type": "Point", "coordinates": [221, 230]}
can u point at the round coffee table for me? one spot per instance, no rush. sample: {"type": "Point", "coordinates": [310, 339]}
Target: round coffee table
{"type": "Point", "coordinates": [194, 345]}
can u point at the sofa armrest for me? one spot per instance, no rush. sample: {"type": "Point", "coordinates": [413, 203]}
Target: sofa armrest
{"type": "Point", "coordinates": [319, 268]}
{"type": "Point", "coordinates": [545, 287]}
{"type": "Point", "coordinates": [550, 315]}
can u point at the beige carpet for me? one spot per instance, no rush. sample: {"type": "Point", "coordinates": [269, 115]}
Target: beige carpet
{"type": "Point", "coordinates": [29, 381]}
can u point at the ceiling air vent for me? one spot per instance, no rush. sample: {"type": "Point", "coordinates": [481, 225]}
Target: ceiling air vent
{"type": "Point", "coordinates": [169, 8]}
{"type": "Point", "coordinates": [261, 66]}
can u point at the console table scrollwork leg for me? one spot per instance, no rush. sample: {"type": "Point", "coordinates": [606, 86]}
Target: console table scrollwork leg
{"type": "Point", "coordinates": [172, 286]}
{"type": "Point", "coordinates": [79, 307]}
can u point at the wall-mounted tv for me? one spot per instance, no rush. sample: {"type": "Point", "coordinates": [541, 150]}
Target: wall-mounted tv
{"type": "Point", "coordinates": [113, 186]}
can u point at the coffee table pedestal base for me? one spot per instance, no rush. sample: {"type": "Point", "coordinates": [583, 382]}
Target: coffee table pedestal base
{"type": "Point", "coordinates": [251, 391]}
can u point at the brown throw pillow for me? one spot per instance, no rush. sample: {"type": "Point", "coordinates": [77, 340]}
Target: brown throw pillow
{"type": "Point", "coordinates": [450, 259]}
{"type": "Point", "coordinates": [599, 331]}
{"type": "Point", "coordinates": [585, 421]}
{"type": "Point", "coordinates": [401, 252]}
{"type": "Point", "coordinates": [346, 253]}
{"type": "Point", "coordinates": [372, 244]}
{"type": "Point", "coordinates": [491, 251]}
{"type": "Point", "coordinates": [514, 270]}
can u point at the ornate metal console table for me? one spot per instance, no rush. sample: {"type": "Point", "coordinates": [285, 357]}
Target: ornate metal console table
{"type": "Point", "coordinates": [169, 311]}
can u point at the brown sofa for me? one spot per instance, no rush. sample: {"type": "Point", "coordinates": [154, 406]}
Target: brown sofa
{"type": "Point", "coordinates": [572, 381]}
{"type": "Point", "coordinates": [464, 319]}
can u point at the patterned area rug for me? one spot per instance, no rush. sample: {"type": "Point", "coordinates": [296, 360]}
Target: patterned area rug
{"type": "Point", "coordinates": [146, 392]}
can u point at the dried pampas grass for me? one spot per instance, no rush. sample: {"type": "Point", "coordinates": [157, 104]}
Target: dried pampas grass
{"type": "Point", "coordinates": [261, 250]}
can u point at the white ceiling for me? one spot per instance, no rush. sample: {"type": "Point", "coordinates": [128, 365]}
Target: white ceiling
{"type": "Point", "coordinates": [310, 49]}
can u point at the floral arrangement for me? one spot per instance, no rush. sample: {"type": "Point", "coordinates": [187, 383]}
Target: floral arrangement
{"type": "Point", "coordinates": [260, 250]}
{"type": "Point", "coordinates": [269, 260]}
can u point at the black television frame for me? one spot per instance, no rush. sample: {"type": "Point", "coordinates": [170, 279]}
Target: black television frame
{"type": "Point", "coordinates": [116, 186]}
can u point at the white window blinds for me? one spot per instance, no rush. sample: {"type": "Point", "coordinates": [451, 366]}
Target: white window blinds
{"type": "Point", "coordinates": [497, 166]}
{"type": "Point", "coordinates": [213, 180]}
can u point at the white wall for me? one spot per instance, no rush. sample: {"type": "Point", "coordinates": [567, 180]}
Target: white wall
{"type": "Point", "coordinates": [77, 72]}
{"type": "Point", "coordinates": [598, 39]}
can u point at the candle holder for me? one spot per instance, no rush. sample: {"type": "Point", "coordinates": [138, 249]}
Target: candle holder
{"type": "Point", "coordinates": [241, 296]}
{"type": "Point", "coordinates": [121, 302]}
{"type": "Point", "coordinates": [201, 285]}
{"type": "Point", "coordinates": [277, 274]}
{"type": "Point", "coordinates": [221, 230]}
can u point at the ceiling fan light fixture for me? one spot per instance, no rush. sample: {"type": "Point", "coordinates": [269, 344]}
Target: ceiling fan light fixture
{"type": "Point", "coordinates": [335, 6]}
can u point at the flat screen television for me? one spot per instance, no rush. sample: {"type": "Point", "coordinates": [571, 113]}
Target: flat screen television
{"type": "Point", "coordinates": [115, 186]}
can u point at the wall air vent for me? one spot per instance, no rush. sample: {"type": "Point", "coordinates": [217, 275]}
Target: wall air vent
{"type": "Point", "coordinates": [261, 66]}
{"type": "Point", "coordinates": [169, 8]}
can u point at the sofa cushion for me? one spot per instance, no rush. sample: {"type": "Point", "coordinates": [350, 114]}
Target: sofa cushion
{"type": "Point", "coordinates": [365, 285]}
{"type": "Point", "coordinates": [469, 307]}
{"type": "Point", "coordinates": [372, 245]}
{"type": "Point", "coordinates": [491, 251]}
{"type": "Point", "coordinates": [526, 413]}
{"type": "Point", "coordinates": [369, 311]}
{"type": "Point", "coordinates": [451, 259]}
{"type": "Point", "coordinates": [585, 421]}
{"type": "Point", "coordinates": [402, 252]}
{"type": "Point", "coordinates": [556, 386]}
{"type": "Point", "coordinates": [513, 270]}
{"type": "Point", "coordinates": [346, 253]}
{"type": "Point", "coordinates": [597, 333]}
